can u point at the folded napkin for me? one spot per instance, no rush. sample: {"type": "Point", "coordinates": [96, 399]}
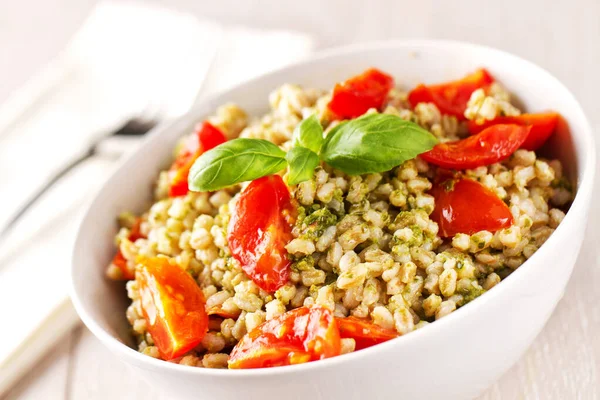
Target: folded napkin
{"type": "Point", "coordinates": [128, 59]}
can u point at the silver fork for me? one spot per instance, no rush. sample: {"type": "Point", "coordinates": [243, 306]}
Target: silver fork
{"type": "Point", "coordinates": [134, 127]}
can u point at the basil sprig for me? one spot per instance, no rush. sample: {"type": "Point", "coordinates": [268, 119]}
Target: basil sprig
{"type": "Point", "coordinates": [302, 162]}
{"type": "Point", "coordinates": [303, 157]}
{"type": "Point", "coordinates": [374, 143]}
{"type": "Point", "coordinates": [308, 134]}
{"type": "Point", "coordinates": [368, 144]}
{"type": "Point", "coordinates": [235, 161]}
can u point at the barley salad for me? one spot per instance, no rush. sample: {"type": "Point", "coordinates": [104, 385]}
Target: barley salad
{"type": "Point", "coordinates": [339, 220]}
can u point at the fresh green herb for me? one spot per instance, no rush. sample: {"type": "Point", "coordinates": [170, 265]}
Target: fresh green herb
{"type": "Point", "coordinates": [371, 143]}
{"type": "Point", "coordinates": [303, 158]}
{"type": "Point", "coordinates": [374, 143]}
{"type": "Point", "coordinates": [308, 134]}
{"type": "Point", "coordinates": [235, 161]}
{"type": "Point", "coordinates": [302, 163]}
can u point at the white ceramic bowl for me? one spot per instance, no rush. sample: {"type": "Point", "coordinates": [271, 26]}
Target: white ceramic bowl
{"type": "Point", "coordinates": [457, 357]}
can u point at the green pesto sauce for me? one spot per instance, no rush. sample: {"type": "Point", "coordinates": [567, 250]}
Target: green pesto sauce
{"type": "Point", "coordinates": [314, 224]}
{"type": "Point", "coordinates": [303, 264]}
{"type": "Point", "coordinates": [416, 239]}
{"type": "Point", "coordinates": [402, 220]}
{"type": "Point", "coordinates": [338, 195]}
{"type": "Point", "coordinates": [471, 293]}
{"type": "Point", "coordinates": [417, 234]}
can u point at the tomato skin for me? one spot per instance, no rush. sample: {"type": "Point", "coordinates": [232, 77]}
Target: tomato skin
{"type": "Point", "coordinates": [364, 333]}
{"type": "Point", "coordinates": [355, 96]}
{"type": "Point", "coordinates": [207, 137]}
{"type": "Point", "coordinates": [173, 306]}
{"type": "Point", "coordinates": [301, 335]}
{"type": "Point", "coordinates": [542, 127]}
{"type": "Point", "coordinates": [179, 171]}
{"type": "Point", "coordinates": [493, 144]}
{"type": "Point", "coordinates": [451, 97]}
{"type": "Point", "coordinates": [259, 228]}
{"type": "Point", "coordinates": [210, 136]}
{"type": "Point", "coordinates": [466, 206]}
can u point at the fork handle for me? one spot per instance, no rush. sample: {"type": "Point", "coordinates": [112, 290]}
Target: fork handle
{"type": "Point", "coordinates": [10, 224]}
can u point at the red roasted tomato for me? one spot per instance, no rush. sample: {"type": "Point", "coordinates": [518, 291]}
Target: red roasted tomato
{"type": "Point", "coordinates": [364, 333]}
{"type": "Point", "coordinates": [466, 206]}
{"type": "Point", "coordinates": [451, 97]}
{"type": "Point", "coordinates": [542, 126]}
{"type": "Point", "coordinates": [207, 137]}
{"type": "Point", "coordinates": [173, 306]}
{"type": "Point", "coordinates": [301, 335]}
{"type": "Point", "coordinates": [355, 96]}
{"type": "Point", "coordinates": [489, 146]}
{"type": "Point", "coordinates": [259, 229]}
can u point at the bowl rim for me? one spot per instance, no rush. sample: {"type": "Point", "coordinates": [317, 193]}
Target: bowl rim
{"type": "Point", "coordinates": [584, 190]}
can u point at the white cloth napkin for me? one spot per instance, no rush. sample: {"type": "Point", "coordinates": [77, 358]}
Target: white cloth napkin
{"type": "Point", "coordinates": [127, 59]}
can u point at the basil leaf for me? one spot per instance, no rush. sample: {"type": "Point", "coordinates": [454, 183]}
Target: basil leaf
{"type": "Point", "coordinates": [235, 161]}
{"type": "Point", "coordinates": [374, 143]}
{"type": "Point", "coordinates": [308, 133]}
{"type": "Point", "coordinates": [302, 162]}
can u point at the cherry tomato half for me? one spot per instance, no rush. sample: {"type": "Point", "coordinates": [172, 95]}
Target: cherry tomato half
{"type": "Point", "coordinates": [466, 206]}
{"type": "Point", "coordinates": [542, 126]}
{"type": "Point", "coordinates": [259, 228]}
{"type": "Point", "coordinates": [364, 333]}
{"type": "Point", "coordinates": [173, 306]}
{"type": "Point", "coordinates": [207, 137]}
{"type": "Point", "coordinates": [355, 96]}
{"type": "Point", "coordinates": [301, 335]}
{"type": "Point", "coordinates": [210, 136]}
{"type": "Point", "coordinates": [489, 146]}
{"type": "Point", "coordinates": [179, 171]}
{"type": "Point", "coordinates": [451, 97]}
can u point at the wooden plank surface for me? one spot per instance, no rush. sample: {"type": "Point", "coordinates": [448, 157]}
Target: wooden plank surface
{"type": "Point", "coordinates": [561, 36]}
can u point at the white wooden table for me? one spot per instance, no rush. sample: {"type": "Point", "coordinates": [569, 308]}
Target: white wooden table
{"type": "Point", "coordinates": [562, 36]}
